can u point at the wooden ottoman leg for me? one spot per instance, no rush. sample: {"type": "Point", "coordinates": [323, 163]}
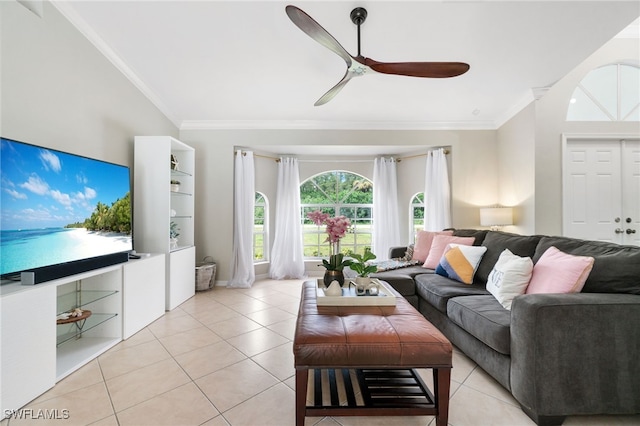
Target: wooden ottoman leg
{"type": "Point", "coordinates": [441, 384]}
{"type": "Point", "coordinates": [302, 379]}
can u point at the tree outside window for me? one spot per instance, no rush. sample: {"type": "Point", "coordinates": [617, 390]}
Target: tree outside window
{"type": "Point", "coordinates": [338, 193]}
{"type": "Point", "coordinates": [260, 229]}
{"type": "Point", "coordinates": [416, 215]}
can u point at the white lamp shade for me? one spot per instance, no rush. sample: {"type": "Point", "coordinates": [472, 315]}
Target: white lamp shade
{"type": "Point", "coordinates": [496, 216]}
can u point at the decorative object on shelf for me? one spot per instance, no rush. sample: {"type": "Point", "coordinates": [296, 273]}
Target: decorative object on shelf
{"type": "Point", "coordinates": [495, 217]}
{"type": "Point", "coordinates": [175, 185]}
{"type": "Point", "coordinates": [362, 268]}
{"type": "Point", "coordinates": [334, 289]}
{"type": "Point", "coordinates": [174, 163]}
{"type": "Point", "coordinates": [336, 228]}
{"type": "Point", "coordinates": [74, 315]}
{"type": "Point", "coordinates": [173, 213]}
{"type": "Point", "coordinates": [173, 235]}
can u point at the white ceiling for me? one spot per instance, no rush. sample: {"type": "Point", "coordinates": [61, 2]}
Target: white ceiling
{"type": "Point", "coordinates": [243, 64]}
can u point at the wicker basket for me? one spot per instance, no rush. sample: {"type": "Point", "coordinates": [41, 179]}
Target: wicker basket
{"type": "Point", "coordinates": [205, 274]}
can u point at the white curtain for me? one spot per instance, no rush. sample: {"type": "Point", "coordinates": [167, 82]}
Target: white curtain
{"type": "Point", "coordinates": [287, 253]}
{"type": "Point", "coordinates": [242, 273]}
{"type": "Point", "coordinates": [437, 193]}
{"type": "Point", "coordinates": [386, 227]}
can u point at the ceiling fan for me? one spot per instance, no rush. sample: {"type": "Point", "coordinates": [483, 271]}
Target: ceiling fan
{"type": "Point", "coordinates": [359, 65]}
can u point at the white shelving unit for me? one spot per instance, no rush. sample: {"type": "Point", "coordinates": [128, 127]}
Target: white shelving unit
{"type": "Point", "coordinates": [157, 205]}
{"type": "Point", "coordinates": [35, 352]}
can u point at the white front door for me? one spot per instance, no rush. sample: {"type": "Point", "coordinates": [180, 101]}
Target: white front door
{"type": "Point", "coordinates": [631, 192]}
{"type": "Point", "coordinates": [592, 194]}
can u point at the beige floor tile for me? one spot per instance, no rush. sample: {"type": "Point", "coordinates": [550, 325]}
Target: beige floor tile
{"type": "Point", "coordinates": [257, 341]}
{"type": "Point", "coordinates": [234, 327]}
{"type": "Point", "coordinates": [203, 361]}
{"type": "Point", "coordinates": [469, 407]}
{"type": "Point", "coordinates": [273, 407]}
{"type": "Point", "coordinates": [189, 340]}
{"type": "Point", "coordinates": [142, 336]}
{"type": "Point", "coordinates": [199, 303]}
{"type": "Point", "coordinates": [286, 328]}
{"type": "Point", "coordinates": [280, 299]}
{"type": "Point", "coordinates": [277, 361]}
{"type": "Point", "coordinates": [462, 367]}
{"type": "Point", "coordinates": [114, 364]}
{"type": "Point", "coordinates": [184, 405]}
{"type": "Point", "coordinates": [166, 326]}
{"type": "Point", "coordinates": [217, 421]}
{"type": "Point", "coordinates": [221, 313]}
{"type": "Point", "coordinates": [385, 421]}
{"type": "Point", "coordinates": [270, 316]}
{"type": "Point", "coordinates": [235, 384]}
{"type": "Point", "coordinates": [250, 306]}
{"type": "Point", "coordinates": [85, 376]}
{"type": "Point", "coordinates": [109, 421]}
{"type": "Point", "coordinates": [145, 383]}
{"type": "Point", "coordinates": [80, 407]}
{"type": "Point", "coordinates": [482, 382]}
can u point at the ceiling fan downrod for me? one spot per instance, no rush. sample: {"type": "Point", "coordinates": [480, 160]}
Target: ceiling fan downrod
{"type": "Point", "coordinates": [358, 16]}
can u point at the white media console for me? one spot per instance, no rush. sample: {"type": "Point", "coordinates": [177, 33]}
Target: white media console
{"type": "Point", "coordinates": [35, 352]}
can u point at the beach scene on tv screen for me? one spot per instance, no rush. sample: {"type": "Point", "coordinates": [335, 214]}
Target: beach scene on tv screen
{"type": "Point", "coordinates": [58, 207]}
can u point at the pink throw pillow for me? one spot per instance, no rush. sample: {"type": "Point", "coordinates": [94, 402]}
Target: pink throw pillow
{"type": "Point", "coordinates": [423, 244]}
{"type": "Point", "coordinates": [558, 272]}
{"type": "Point", "coordinates": [439, 245]}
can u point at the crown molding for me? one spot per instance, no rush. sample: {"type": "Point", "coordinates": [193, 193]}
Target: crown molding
{"type": "Point", "coordinates": [332, 125]}
{"type": "Point", "coordinates": [85, 29]}
{"type": "Point", "coordinates": [521, 104]}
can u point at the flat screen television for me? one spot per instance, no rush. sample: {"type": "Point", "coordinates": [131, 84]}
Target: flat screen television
{"type": "Point", "coordinates": [60, 213]}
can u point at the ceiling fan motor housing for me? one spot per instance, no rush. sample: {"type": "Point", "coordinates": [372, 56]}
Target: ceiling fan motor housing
{"type": "Point", "coordinates": [358, 15]}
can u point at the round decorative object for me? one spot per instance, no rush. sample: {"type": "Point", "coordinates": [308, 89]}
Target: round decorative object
{"type": "Point", "coordinates": [330, 276]}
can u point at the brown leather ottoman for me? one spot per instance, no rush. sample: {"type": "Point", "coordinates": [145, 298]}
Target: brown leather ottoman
{"type": "Point", "coordinates": [367, 355]}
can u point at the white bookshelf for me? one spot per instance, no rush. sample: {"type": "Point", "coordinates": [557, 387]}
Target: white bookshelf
{"type": "Point", "coordinates": [156, 206]}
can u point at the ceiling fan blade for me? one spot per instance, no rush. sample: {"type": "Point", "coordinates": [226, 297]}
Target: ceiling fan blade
{"type": "Point", "coordinates": [316, 32]}
{"type": "Point", "coordinates": [419, 69]}
{"type": "Point", "coordinates": [334, 90]}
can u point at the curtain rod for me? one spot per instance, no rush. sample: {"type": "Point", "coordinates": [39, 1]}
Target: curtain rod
{"type": "Point", "coordinates": [399, 159]}
{"type": "Point", "coordinates": [446, 152]}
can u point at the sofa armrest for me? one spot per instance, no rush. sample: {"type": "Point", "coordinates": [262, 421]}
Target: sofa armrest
{"type": "Point", "coordinates": [576, 353]}
{"type": "Point", "coordinates": [395, 252]}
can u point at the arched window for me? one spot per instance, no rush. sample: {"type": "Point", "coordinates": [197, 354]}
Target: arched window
{"type": "Point", "coordinates": [260, 229]}
{"type": "Point", "coordinates": [608, 93]}
{"type": "Point", "coordinates": [416, 215]}
{"type": "Point", "coordinates": [338, 193]}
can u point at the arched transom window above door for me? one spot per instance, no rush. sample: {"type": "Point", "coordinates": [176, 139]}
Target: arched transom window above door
{"type": "Point", "coordinates": [607, 93]}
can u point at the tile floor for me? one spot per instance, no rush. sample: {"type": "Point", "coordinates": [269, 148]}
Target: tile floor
{"type": "Point", "coordinates": [224, 358]}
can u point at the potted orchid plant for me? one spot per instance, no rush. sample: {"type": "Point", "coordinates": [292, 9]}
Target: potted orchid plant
{"type": "Point", "coordinates": [336, 228]}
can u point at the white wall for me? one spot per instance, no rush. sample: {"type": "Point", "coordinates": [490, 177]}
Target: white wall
{"type": "Point", "coordinates": [59, 91]}
{"type": "Point", "coordinates": [516, 170]}
{"type": "Point", "coordinates": [550, 115]}
{"type": "Point", "coordinates": [473, 173]}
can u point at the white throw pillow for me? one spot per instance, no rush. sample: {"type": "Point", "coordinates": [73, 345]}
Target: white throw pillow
{"type": "Point", "coordinates": [510, 277]}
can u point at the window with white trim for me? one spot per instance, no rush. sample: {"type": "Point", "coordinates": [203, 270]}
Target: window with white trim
{"type": "Point", "coordinates": [338, 193]}
{"type": "Point", "coordinates": [260, 228]}
{"type": "Point", "coordinates": [607, 93]}
{"type": "Point", "coordinates": [416, 215]}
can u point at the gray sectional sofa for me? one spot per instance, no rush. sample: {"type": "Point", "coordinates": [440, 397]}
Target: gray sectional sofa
{"type": "Point", "coordinates": [558, 354]}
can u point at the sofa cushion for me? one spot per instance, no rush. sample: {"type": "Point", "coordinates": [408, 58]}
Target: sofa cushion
{"type": "Point", "coordinates": [459, 262]}
{"type": "Point", "coordinates": [439, 246]}
{"type": "Point", "coordinates": [558, 272]}
{"type": "Point", "coordinates": [437, 290]}
{"type": "Point", "coordinates": [484, 318]}
{"type": "Point", "coordinates": [510, 277]}
{"type": "Point", "coordinates": [616, 268]}
{"type": "Point", "coordinates": [478, 234]}
{"type": "Point", "coordinates": [402, 279]}
{"type": "Point", "coordinates": [423, 244]}
{"type": "Point", "coordinates": [496, 242]}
